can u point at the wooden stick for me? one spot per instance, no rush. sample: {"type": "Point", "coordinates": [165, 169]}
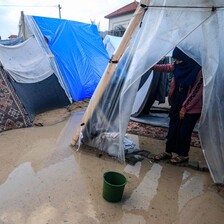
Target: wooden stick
{"type": "Point", "coordinates": [23, 25]}
{"type": "Point", "coordinates": [108, 74]}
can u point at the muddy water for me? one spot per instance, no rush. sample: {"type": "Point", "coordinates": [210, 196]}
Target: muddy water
{"type": "Point", "coordinates": [44, 180]}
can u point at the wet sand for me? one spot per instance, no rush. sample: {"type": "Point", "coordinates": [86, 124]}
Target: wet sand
{"type": "Point", "coordinates": [45, 180]}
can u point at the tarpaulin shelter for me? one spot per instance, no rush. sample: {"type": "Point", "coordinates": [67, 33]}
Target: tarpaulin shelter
{"type": "Point", "coordinates": [195, 26]}
{"type": "Point", "coordinates": [32, 77]}
{"type": "Point", "coordinates": [53, 62]}
{"type": "Point", "coordinates": [77, 49]}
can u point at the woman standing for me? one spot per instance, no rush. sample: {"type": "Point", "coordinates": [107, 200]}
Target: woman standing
{"type": "Point", "coordinates": [185, 98]}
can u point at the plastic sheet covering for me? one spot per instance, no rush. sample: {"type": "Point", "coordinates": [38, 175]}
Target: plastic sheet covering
{"type": "Point", "coordinates": [26, 62]}
{"type": "Point", "coordinates": [31, 29]}
{"type": "Point", "coordinates": [102, 130]}
{"type": "Point", "coordinates": [111, 43]}
{"type": "Point", "coordinates": [199, 33]}
{"type": "Point", "coordinates": [79, 52]}
{"type": "Point", "coordinates": [11, 42]}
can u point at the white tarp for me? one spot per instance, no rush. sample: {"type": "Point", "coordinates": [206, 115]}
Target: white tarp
{"type": "Point", "coordinates": [111, 44]}
{"type": "Point", "coordinates": [197, 28]}
{"type": "Point", "coordinates": [26, 62]}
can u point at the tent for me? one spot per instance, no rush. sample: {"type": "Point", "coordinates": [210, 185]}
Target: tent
{"type": "Point", "coordinates": [77, 49]}
{"type": "Point", "coordinates": [32, 77]}
{"type": "Point", "coordinates": [196, 26]}
{"type": "Point", "coordinates": [53, 62]}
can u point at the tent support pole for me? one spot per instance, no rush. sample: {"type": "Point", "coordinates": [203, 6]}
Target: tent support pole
{"type": "Point", "coordinates": [23, 25]}
{"type": "Point", "coordinates": [135, 21]}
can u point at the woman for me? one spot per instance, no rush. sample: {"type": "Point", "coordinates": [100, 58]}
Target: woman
{"type": "Point", "coordinates": [185, 98]}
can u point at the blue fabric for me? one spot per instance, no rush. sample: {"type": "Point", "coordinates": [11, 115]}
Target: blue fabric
{"type": "Point", "coordinates": [79, 52]}
{"type": "Point", "coordinates": [186, 72]}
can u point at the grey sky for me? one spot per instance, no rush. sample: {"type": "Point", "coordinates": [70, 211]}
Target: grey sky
{"type": "Point", "coordinates": [82, 11]}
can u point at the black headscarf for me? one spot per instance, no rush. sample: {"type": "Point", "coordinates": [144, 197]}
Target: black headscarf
{"type": "Point", "coordinates": [186, 72]}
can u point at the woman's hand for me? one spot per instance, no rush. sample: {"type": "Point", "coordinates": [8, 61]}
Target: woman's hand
{"type": "Point", "coordinates": [181, 115]}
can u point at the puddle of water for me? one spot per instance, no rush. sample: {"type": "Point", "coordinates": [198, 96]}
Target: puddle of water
{"type": "Point", "coordinates": [146, 190]}
{"type": "Point", "coordinates": [134, 170]}
{"type": "Point", "coordinates": [191, 188]}
{"type": "Point", "coordinates": [44, 182]}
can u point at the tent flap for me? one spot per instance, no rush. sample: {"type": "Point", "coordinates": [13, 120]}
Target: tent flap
{"type": "Point", "coordinates": [26, 62]}
{"type": "Point", "coordinates": [41, 96]}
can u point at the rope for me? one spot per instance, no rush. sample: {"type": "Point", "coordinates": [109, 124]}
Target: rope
{"type": "Point", "coordinates": [213, 8]}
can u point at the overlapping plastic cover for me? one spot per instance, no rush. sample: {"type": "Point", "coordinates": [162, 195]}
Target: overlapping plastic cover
{"type": "Point", "coordinates": [30, 67]}
{"type": "Point", "coordinates": [199, 32]}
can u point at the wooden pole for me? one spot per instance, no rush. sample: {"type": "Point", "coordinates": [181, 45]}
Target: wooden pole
{"type": "Point", "coordinates": [59, 10]}
{"type": "Point", "coordinates": [23, 25]}
{"type": "Point", "coordinates": [135, 21]}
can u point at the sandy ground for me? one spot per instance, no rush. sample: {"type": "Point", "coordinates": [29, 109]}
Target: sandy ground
{"type": "Point", "coordinates": [43, 180]}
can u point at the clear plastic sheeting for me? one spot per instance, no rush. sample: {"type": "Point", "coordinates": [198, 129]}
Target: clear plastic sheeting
{"type": "Point", "coordinates": [26, 62]}
{"type": "Point", "coordinates": [102, 130]}
{"type": "Point", "coordinates": [199, 32]}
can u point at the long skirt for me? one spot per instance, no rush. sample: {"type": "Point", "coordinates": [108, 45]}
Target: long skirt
{"type": "Point", "coordinates": [179, 134]}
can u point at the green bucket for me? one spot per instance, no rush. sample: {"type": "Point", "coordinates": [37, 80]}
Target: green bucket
{"type": "Point", "coordinates": [113, 186]}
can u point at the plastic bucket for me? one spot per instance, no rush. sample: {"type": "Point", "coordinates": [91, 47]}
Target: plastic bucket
{"type": "Point", "coordinates": [113, 186]}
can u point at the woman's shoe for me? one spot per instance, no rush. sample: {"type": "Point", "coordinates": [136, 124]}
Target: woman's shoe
{"type": "Point", "coordinates": [162, 156]}
{"type": "Point", "coordinates": [179, 159]}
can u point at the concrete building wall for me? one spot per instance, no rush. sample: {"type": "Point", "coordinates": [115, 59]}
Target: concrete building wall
{"type": "Point", "coordinates": [120, 21]}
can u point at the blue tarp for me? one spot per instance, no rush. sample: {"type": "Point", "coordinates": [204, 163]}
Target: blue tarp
{"type": "Point", "coordinates": [79, 52]}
